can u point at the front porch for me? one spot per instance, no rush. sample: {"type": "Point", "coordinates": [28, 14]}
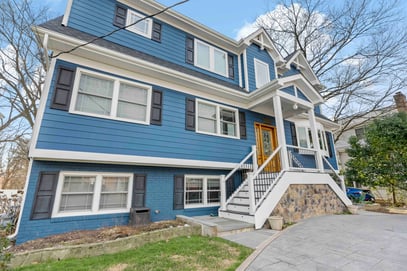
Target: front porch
{"type": "Point", "coordinates": [275, 163]}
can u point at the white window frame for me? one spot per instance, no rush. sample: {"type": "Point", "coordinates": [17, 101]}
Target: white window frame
{"type": "Point", "coordinates": [320, 132]}
{"type": "Point", "coordinates": [96, 194]}
{"type": "Point", "coordinates": [133, 29]}
{"type": "Point", "coordinates": [218, 107]}
{"type": "Point", "coordinates": [204, 191]}
{"type": "Point", "coordinates": [212, 50]}
{"type": "Point", "coordinates": [115, 96]}
{"type": "Point", "coordinates": [256, 71]}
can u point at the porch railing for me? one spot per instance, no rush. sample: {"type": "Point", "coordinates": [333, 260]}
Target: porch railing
{"type": "Point", "coordinates": [261, 181]}
{"type": "Point", "coordinates": [338, 178]}
{"type": "Point", "coordinates": [301, 158]}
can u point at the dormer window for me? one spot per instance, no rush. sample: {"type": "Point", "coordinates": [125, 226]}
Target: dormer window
{"type": "Point", "coordinates": [262, 72]}
{"type": "Point", "coordinates": [210, 58]}
{"type": "Point", "coordinates": [144, 27]}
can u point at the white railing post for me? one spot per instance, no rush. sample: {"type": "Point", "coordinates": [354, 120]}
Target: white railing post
{"type": "Point", "coordinates": [222, 193]}
{"type": "Point", "coordinates": [342, 183]}
{"type": "Point", "coordinates": [252, 202]}
{"type": "Point", "coordinates": [254, 158]}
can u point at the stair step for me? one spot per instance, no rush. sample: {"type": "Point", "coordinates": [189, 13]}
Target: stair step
{"type": "Point", "coordinates": [243, 208]}
{"type": "Point", "coordinates": [240, 200]}
{"type": "Point", "coordinates": [245, 217]}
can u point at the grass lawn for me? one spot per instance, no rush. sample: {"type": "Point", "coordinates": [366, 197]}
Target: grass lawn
{"type": "Point", "coordinates": [183, 253]}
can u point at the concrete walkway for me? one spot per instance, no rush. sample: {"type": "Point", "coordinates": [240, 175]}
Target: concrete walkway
{"type": "Point", "coordinates": [367, 241]}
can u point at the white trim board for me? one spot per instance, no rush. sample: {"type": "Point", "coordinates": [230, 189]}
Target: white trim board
{"type": "Point", "coordinates": [105, 158]}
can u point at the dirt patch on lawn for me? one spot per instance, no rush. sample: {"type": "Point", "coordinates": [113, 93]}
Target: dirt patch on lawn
{"type": "Point", "coordinates": [92, 236]}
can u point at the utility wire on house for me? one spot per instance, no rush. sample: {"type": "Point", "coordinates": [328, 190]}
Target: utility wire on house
{"type": "Point", "coordinates": [118, 29]}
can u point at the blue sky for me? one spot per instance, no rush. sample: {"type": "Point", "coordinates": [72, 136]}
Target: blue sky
{"type": "Point", "coordinates": [224, 16]}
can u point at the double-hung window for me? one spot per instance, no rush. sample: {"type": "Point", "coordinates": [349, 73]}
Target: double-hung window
{"type": "Point", "coordinates": [304, 137]}
{"type": "Point", "coordinates": [262, 73]}
{"type": "Point", "coordinates": [92, 193]}
{"type": "Point", "coordinates": [109, 97]}
{"type": "Point", "coordinates": [201, 191]}
{"type": "Point", "coordinates": [211, 58]}
{"type": "Point", "coordinates": [216, 119]}
{"type": "Point", "coordinates": [143, 27]}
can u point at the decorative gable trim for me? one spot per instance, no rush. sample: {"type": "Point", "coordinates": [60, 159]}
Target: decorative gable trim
{"type": "Point", "coordinates": [300, 62]}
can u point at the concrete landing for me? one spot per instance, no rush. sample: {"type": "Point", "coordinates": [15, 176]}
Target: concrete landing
{"type": "Point", "coordinates": [236, 231]}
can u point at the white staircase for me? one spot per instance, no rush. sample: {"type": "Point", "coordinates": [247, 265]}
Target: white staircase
{"type": "Point", "coordinates": [244, 202]}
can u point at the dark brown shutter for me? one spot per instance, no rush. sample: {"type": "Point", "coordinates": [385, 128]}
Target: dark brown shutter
{"type": "Point", "coordinates": [120, 16]}
{"type": "Point", "coordinates": [189, 50]}
{"type": "Point", "coordinates": [294, 135]}
{"type": "Point", "coordinates": [178, 192]}
{"type": "Point", "coordinates": [156, 107]}
{"type": "Point", "coordinates": [230, 187]}
{"type": "Point", "coordinates": [156, 35]}
{"type": "Point", "coordinates": [44, 195]}
{"type": "Point", "coordinates": [329, 142]}
{"type": "Point", "coordinates": [190, 114]}
{"type": "Point", "coordinates": [63, 89]}
{"type": "Point", "coordinates": [139, 191]}
{"type": "Point", "coordinates": [242, 125]}
{"type": "Point", "coordinates": [231, 67]}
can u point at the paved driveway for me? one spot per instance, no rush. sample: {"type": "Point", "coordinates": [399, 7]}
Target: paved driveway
{"type": "Point", "coordinates": [368, 241]}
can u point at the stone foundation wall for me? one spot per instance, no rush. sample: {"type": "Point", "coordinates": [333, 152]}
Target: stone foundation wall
{"type": "Point", "coordinates": [307, 200]}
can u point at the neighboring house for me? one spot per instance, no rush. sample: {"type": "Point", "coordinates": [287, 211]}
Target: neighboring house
{"type": "Point", "coordinates": [159, 117]}
{"type": "Point", "coordinates": [357, 127]}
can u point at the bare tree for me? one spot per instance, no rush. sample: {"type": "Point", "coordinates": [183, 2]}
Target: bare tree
{"type": "Point", "coordinates": [22, 72]}
{"type": "Point", "coordinates": [14, 171]}
{"type": "Point", "coordinates": [358, 49]}
{"type": "Point", "coordinates": [22, 68]}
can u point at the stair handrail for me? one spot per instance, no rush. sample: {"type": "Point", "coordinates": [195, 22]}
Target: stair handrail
{"type": "Point", "coordinates": [240, 164]}
{"type": "Point", "coordinates": [335, 173]}
{"type": "Point", "coordinates": [260, 169]}
{"type": "Point", "coordinates": [253, 204]}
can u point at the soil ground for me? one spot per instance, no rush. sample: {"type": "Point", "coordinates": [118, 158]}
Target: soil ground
{"type": "Point", "coordinates": [92, 236]}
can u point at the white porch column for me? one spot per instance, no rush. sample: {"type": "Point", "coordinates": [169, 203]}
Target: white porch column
{"type": "Point", "coordinates": [315, 140]}
{"type": "Point", "coordinates": [278, 114]}
{"type": "Point", "coordinates": [222, 193]}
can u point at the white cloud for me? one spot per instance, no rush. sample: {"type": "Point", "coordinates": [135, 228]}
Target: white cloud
{"type": "Point", "coordinates": [246, 30]}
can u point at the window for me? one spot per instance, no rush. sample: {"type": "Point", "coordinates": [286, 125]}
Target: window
{"type": "Point", "coordinates": [215, 119]}
{"type": "Point", "coordinates": [103, 96]}
{"type": "Point", "coordinates": [202, 191]}
{"type": "Point", "coordinates": [144, 27]}
{"type": "Point", "coordinates": [262, 73]}
{"type": "Point", "coordinates": [360, 133]}
{"type": "Point", "coordinates": [92, 193]}
{"type": "Point", "coordinates": [210, 58]}
{"type": "Point", "coordinates": [304, 138]}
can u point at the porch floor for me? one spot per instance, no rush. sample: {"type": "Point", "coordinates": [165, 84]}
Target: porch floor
{"type": "Point", "coordinates": [236, 231]}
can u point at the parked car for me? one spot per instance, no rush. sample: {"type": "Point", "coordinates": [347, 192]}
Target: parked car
{"type": "Point", "coordinates": [360, 194]}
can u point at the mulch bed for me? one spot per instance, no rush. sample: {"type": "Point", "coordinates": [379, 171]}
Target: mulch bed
{"type": "Point", "coordinates": [92, 236]}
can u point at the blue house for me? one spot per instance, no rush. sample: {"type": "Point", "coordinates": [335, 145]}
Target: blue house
{"type": "Point", "coordinates": [167, 116]}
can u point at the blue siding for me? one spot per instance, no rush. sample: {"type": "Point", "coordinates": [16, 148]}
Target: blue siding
{"type": "Point", "coordinates": [301, 95]}
{"type": "Point", "coordinates": [332, 160]}
{"type": "Point", "coordinates": [317, 110]}
{"type": "Point", "coordinates": [253, 52]}
{"type": "Point", "coordinates": [293, 71]}
{"type": "Point", "coordinates": [159, 196]}
{"type": "Point", "coordinates": [96, 18]}
{"type": "Point", "coordinates": [61, 130]}
{"type": "Point", "coordinates": [290, 90]}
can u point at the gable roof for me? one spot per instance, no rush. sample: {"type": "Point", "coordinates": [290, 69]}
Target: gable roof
{"type": "Point", "coordinates": [298, 59]}
{"type": "Point", "coordinates": [263, 40]}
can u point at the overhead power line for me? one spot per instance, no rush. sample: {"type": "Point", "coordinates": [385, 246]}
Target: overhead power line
{"type": "Point", "coordinates": [118, 29]}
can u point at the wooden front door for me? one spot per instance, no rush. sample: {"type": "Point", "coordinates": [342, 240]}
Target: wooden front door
{"type": "Point", "coordinates": [266, 143]}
